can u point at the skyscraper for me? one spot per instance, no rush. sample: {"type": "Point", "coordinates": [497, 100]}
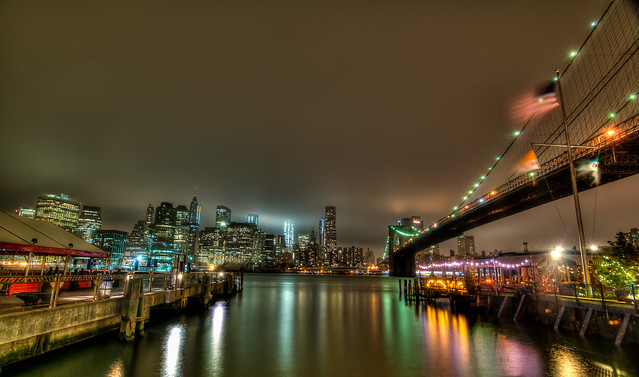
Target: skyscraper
{"type": "Point", "coordinates": [58, 209]}
{"type": "Point", "coordinates": [163, 236]}
{"type": "Point", "coordinates": [466, 245]}
{"type": "Point", "coordinates": [303, 240]}
{"type": "Point", "coordinates": [181, 235]}
{"type": "Point", "coordinates": [136, 248]}
{"type": "Point", "coordinates": [150, 215]}
{"type": "Point", "coordinates": [289, 234]}
{"type": "Point", "coordinates": [222, 216]}
{"type": "Point", "coordinates": [113, 242]}
{"type": "Point", "coordinates": [252, 218]}
{"type": "Point", "coordinates": [89, 221]}
{"type": "Point", "coordinates": [330, 228]}
{"type": "Point", "coordinates": [194, 226]}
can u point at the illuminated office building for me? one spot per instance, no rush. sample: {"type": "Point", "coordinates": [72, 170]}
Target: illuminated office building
{"type": "Point", "coordinates": [89, 221]}
{"type": "Point", "coordinates": [162, 248]}
{"type": "Point", "coordinates": [194, 226]}
{"type": "Point", "coordinates": [137, 247]}
{"type": "Point", "coordinates": [252, 218]}
{"type": "Point", "coordinates": [222, 216]}
{"type": "Point", "coordinates": [113, 242]}
{"type": "Point", "coordinates": [181, 234]}
{"type": "Point", "coordinates": [150, 215]}
{"type": "Point", "coordinates": [289, 235]}
{"type": "Point", "coordinates": [58, 209]}
{"type": "Point", "coordinates": [466, 245]}
{"type": "Point", "coordinates": [26, 212]}
{"type": "Point", "coordinates": [303, 240]}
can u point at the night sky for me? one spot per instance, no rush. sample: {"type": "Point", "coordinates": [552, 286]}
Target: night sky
{"type": "Point", "coordinates": [385, 109]}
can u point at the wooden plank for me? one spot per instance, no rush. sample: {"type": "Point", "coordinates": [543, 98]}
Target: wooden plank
{"type": "Point", "coordinates": [559, 315]}
{"type": "Point", "coordinates": [584, 326]}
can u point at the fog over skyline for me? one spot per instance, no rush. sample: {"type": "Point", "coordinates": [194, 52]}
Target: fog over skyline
{"type": "Point", "coordinates": [383, 109]}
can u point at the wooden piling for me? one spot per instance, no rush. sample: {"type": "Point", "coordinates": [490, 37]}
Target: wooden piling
{"type": "Point", "coordinates": [521, 303]}
{"type": "Point", "coordinates": [559, 315]}
{"type": "Point", "coordinates": [584, 326]}
{"type": "Point", "coordinates": [622, 330]}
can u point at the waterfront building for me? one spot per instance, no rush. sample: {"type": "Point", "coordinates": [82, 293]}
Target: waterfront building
{"type": "Point", "coordinates": [289, 235]}
{"type": "Point", "coordinates": [59, 210]}
{"type": "Point", "coordinates": [466, 245]}
{"type": "Point", "coordinates": [222, 216]}
{"type": "Point", "coordinates": [239, 243]}
{"type": "Point", "coordinates": [89, 221]}
{"type": "Point", "coordinates": [26, 212]}
{"type": "Point", "coordinates": [252, 218]}
{"type": "Point", "coordinates": [211, 247]}
{"type": "Point", "coordinates": [113, 242]}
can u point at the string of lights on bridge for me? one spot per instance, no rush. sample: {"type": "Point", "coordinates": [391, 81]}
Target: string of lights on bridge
{"type": "Point", "coordinates": [609, 132]}
{"type": "Point", "coordinates": [490, 263]}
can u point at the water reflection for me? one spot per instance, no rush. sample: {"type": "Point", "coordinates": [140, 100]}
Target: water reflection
{"type": "Point", "coordinates": [172, 351]}
{"type": "Point", "coordinates": [288, 325]}
{"type": "Point", "coordinates": [217, 349]}
{"type": "Point", "coordinates": [116, 369]}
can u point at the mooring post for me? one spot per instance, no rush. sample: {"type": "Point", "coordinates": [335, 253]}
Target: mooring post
{"type": "Point", "coordinates": [399, 281]}
{"type": "Point", "coordinates": [131, 310]}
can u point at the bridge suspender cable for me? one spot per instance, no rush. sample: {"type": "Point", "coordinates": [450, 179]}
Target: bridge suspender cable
{"type": "Point", "coordinates": [575, 192]}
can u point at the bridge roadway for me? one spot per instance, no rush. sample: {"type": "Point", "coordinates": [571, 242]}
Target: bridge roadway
{"type": "Point", "coordinates": [35, 330]}
{"type": "Point", "coordinates": [617, 159]}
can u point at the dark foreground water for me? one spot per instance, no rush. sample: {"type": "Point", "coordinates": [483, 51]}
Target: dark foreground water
{"type": "Point", "coordinates": [291, 325]}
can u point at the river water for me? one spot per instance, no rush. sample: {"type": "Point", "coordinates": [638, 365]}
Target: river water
{"type": "Point", "coordinates": [296, 325]}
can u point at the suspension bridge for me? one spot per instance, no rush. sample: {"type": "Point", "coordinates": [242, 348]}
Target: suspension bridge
{"type": "Point", "coordinates": [600, 86]}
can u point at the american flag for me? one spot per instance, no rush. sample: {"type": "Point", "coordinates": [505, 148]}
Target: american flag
{"type": "Point", "coordinates": [534, 104]}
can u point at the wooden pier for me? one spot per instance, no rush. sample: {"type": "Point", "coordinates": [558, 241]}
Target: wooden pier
{"type": "Point", "coordinates": [609, 318]}
{"type": "Point", "coordinates": [45, 327]}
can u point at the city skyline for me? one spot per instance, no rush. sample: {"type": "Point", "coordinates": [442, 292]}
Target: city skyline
{"type": "Point", "coordinates": [362, 106]}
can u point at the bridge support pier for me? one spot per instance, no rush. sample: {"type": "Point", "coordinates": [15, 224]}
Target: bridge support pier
{"type": "Point", "coordinates": [402, 264]}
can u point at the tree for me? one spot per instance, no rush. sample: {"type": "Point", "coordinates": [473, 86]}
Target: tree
{"type": "Point", "coordinates": [617, 266]}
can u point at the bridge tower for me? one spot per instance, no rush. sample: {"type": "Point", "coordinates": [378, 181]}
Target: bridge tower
{"type": "Point", "coordinates": [403, 264]}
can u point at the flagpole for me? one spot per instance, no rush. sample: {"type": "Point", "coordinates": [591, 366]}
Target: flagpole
{"type": "Point", "coordinates": [575, 192]}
